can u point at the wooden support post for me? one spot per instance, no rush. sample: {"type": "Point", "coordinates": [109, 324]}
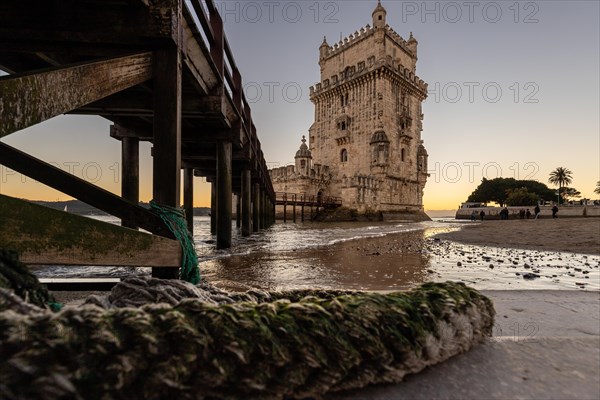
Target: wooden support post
{"type": "Point", "coordinates": [285, 210]}
{"type": "Point", "coordinates": [256, 209]}
{"type": "Point", "coordinates": [295, 199]}
{"type": "Point", "coordinates": [213, 208]}
{"type": "Point", "coordinates": [246, 202]}
{"type": "Point", "coordinates": [224, 180]}
{"type": "Point", "coordinates": [130, 174]}
{"type": "Point", "coordinates": [188, 198]}
{"type": "Point", "coordinates": [238, 211]}
{"type": "Point", "coordinates": [167, 134]}
{"type": "Point", "coordinates": [303, 200]}
{"type": "Point", "coordinates": [263, 204]}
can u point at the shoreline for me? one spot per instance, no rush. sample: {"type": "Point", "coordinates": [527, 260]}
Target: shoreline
{"type": "Point", "coordinates": [581, 235]}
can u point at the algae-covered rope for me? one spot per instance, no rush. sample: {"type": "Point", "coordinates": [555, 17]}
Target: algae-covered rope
{"type": "Point", "coordinates": [278, 349]}
{"type": "Point", "coordinates": [174, 219]}
{"type": "Point", "coordinates": [15, 275]}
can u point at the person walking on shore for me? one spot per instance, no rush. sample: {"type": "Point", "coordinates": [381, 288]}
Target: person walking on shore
{"type": "Point", "coordinates": [554, 211]}
{"type": "Point", "coordinates": [528, 214]}
{"type": "Point", "coordinates": [474, 216]}
{"type": "Point", "coordinates": [537, 211]}
{"type": "Point", "coordinates": [482, 215]}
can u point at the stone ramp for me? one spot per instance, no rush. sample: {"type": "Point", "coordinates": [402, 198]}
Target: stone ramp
{"type": "Point", "coordinates": [546, 346]}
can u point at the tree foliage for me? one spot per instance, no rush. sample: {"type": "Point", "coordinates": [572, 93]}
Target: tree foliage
{"type": "Point", "coordinates": [569, 193]}
{"type": "Point", "coordinates": [561, 176]}
{"type": "Point", "coordinates": [497, 190]}
{"type": "Point", "coordinates": [521, 197]}
{"type": "Point", "coordinates": [597, 190]}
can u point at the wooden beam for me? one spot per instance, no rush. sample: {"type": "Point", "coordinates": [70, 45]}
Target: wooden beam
{"type": "Point", "coordinates": [82, 190]}
{"type": "Point", "coordinates": [45, 236]}
{"type": "Point", "coordinates": [28, 99]}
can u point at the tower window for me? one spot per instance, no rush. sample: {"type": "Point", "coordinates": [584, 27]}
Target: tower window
{"type": "Point", "coordinates": [402, 154]}
{"type": "Point", "coordinates": [343, 126]}
{"type": "Point", "coordinates": [302, 164]}
{"type": "Point", "coordinates": [380, 17]}
{"type": "Point", "coordinates": [344, 155]}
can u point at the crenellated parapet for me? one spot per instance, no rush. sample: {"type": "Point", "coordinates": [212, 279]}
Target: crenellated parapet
{"type": "Point", "coordinates": [364, 69]}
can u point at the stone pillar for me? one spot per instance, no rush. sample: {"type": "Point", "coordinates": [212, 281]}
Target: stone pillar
{"type": "Point", "coordinates": [224, 195]}
{"type": "Point", "coordinates": [246, 203]}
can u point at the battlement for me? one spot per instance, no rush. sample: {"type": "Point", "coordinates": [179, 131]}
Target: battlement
{"type": "Point", "coordinates": [362, 34]}
{"type": "Point", "coordinates": [317, 172]}
{"type": "Point", "coordinates": [365, 67]}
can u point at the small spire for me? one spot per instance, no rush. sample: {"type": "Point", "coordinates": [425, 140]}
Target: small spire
{"type": "Point", "coordinates": [303, 139]}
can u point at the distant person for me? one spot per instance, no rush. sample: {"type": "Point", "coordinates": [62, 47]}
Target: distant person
{"type": "Point", "coordinates": [522, 214]}
{"type": "Point", "coordinates": [474, 216]}
{"type": "Point", "coordinates": [482, 215]}
{"type": "Point", "coordinates": [554, 211]}
{"type": "Point", "coordinates": [537, 211]}
{"type": "Point", "coordinates": [528, 214]}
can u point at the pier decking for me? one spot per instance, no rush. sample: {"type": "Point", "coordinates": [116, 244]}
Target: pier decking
{"type": "Point", "coordinates": [162, 71]}
{"type": "Point", "coordinates": [304, 200]}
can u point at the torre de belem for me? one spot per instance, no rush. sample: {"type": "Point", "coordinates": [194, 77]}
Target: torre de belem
{"type": "Point", "coordinates": [365, 144]}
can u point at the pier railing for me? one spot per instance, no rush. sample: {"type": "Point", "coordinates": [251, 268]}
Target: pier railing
{"type": "Point", "coordinates": [307, 200]}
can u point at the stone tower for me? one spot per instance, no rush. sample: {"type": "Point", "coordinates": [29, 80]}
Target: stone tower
{"type": "Point", "coordinates": [368, 121]}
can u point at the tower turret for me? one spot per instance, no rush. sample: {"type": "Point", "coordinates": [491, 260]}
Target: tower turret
{"type": "Point", "coordinates": [303, 158]}
{"type": "Point", "coordinates": [324, 49]}
{"type": "Point", "coordinates": [412, 44]}
{"type": "Point", "coordinates": [379, 15]}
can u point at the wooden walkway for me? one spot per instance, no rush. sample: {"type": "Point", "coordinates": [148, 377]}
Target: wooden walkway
{"type": "Point", "coordinates": [162, 71]}
{"type": "Point", "coordinates": [303, 200]}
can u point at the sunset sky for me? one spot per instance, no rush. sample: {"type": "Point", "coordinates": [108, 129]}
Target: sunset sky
{"type": "Point", "coordinates": [514, 92]}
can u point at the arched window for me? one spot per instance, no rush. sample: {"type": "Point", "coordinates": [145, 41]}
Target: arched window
{"type": "Point", "coordinates": [302, 164]}
{"type": "Point", "coordinates": [381, 153]}
{"type": "Point", "coordinates": [344, 155]}
{"type": "Point", "coordinates": [402, 154]}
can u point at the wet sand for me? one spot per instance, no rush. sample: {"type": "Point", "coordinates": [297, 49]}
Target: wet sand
{"type": "Point", "coordinates": [575, 235]}
{"type": "Point", "coordinates": [404, 260]}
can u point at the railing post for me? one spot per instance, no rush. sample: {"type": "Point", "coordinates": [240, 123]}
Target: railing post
{"type": "Point", "coordinates": [256, 208]}
{"type": "Point", "coordinates": [217, 48]}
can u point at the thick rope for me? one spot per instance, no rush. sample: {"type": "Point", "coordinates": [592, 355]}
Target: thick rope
{"type": "Point", "coordinates": [269, 349]}
{"type": "Point", "coordinates": [174, 219]}
{"type": "Point", "coordinates": [15, 275]}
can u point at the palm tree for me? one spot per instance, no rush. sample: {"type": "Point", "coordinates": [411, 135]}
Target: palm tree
{"type": "Point", "coordinates": [561, 176]}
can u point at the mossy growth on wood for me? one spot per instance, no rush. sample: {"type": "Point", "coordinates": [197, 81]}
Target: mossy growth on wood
{"type": "Point", "coordinates": [300, 344]}
{"type": "Point", "coordinates": [45, 236]}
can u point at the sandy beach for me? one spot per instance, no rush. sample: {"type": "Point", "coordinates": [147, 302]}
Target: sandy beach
{"type": "Point", "coordinates": [575, 235]}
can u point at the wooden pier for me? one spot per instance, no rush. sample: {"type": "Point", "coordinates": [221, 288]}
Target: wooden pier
{"type": "Point", "coordinates": [304, 201]}
{"type": "Point", "coordinates": [163, 72]}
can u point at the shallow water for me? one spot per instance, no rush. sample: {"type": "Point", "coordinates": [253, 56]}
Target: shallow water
{"type": "Point", "coordinates": [366, 256]}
